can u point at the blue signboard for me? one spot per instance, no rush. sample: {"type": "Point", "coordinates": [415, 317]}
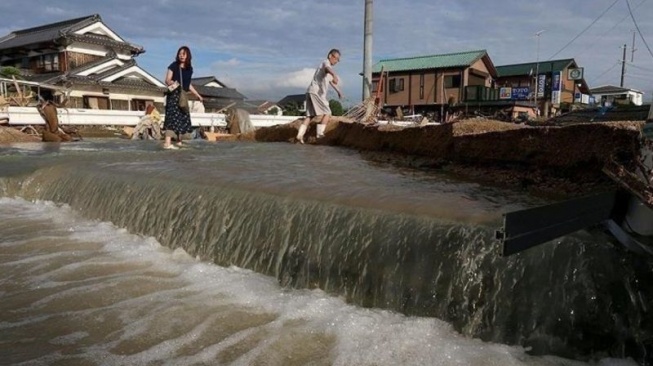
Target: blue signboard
{"type": "Point", "coordinates": [541, 81]}
{"type": "Point", "coordinates": [555, 84]}
{"type": "Point", "coordinates": [520, 93]}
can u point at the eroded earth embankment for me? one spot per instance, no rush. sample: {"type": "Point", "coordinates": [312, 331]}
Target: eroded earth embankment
{"type": "Point", "coordinates": [564, 160]}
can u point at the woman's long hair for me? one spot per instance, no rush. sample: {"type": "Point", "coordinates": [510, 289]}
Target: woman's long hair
{"type": "Point", "coordinates": [189, 57]}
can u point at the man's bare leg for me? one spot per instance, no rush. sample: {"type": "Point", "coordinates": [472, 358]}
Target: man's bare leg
{"type": "Point", "coordinates": [302, 129]}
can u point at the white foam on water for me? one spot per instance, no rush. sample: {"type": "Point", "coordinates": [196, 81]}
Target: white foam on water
{"type": "Point", "coordinates": [154, 305]}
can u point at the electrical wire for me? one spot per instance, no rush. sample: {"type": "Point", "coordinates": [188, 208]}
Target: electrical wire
{"type": "Point", "coordinates": [639, 76]}
{"type": "Point", "coordinates": [596, 40]}
{"type": "Point", "coordinates": [586, 28]}
{"type": "Point", "coordinates": [637, 27]}
{"type": "Point", "coordinates": [605, 72]}
{"type": "Point", "coordinates": [639, 67]}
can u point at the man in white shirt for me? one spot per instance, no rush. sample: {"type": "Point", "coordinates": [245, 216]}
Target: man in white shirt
{"type": "Point", "coordinates": [317, 103]}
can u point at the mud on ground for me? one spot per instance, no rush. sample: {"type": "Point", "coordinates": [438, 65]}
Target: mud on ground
{"type": "Point", "coordinates": [554, 161]}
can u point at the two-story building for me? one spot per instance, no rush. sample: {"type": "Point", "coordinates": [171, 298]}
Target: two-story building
{"type": "Point", "coordinates": [431, 84]}
{"type": "Point", "coordinates": [95, 66]}
{"type": "Point", "coordinates": [469, 82]}
{"type": "Point", "coordinates": [552, 86]}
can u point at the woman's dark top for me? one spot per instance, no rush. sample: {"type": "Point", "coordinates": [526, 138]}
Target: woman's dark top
{"type": "Point", "coordinates": [187, 74]}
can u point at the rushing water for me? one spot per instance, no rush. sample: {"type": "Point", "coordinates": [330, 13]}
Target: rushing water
{"type": "Point", "coordinates": [279, 254]}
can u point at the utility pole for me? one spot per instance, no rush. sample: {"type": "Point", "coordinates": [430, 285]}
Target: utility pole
{"type": "Point", "coordinates": [632, 50]}
{"type": "Point", "coordinates": [367, 53]}
{"type": "Point", "coordinates": [623, 67]}
{"type": "Point", "coordinates": [537, 71]}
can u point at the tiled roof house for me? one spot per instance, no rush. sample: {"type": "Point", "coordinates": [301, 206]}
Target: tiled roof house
{"type": "Point", "coordinates": [87, 58]}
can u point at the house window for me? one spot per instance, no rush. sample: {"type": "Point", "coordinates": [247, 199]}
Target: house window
{"type": "Point", "coordinates": [452, 81]}
{"type": "Point", "coordinates": [48, 62]}
{"type": "Point", "coordinates": [396, 85]}
{"type": "Point", "coordinates": [92, 102]}
{"type": "Point", "coordinates": [421, 86]}
{"type": "Point", "coordinates": [140, 104]}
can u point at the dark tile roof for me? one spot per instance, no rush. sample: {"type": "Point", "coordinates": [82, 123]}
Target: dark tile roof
{"type": "Point", "coordinates": [72, 79]}
{"type": "Point", "coordinates": [124, 82]}
{"type": "Point", "coordinates": [216, 104]}
{"type": "Point", "coordinates": [135, 83]}
{"type": "Point", "coordinates": [45, 33]}
{"type": "Point", "coordinates": [202, 81]}
{"type": "Point", "coordinates": [250, 107]}
{"type": "Point", "coordinates": [543, 67]}
{"type": "Point", "coordinates": [262, 103]}
{"type": "Point", "coordinates": [104, 40]}
{"type": "Point", "coordinates": [44, 78]}
{"type": "Point", "coordinates": [63, 30]}
{"type": "Point", "coordinates": [111, 71]}
{"type": "Point", "coordinates": [212, 92]}
{"type": "Point", "coordinates": [294, 98]}
{"type": "Point", "coordinates": [127, 64]}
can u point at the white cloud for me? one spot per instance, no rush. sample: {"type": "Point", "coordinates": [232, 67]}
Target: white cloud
{"type": "Point", "coordinates": [54, 11]}
{"type": "Point", "coordinates": [228, 63]}
{"type": "Point", "coordinates": [297, 79]}
{"type": "Point", "coordinates": [274, 46]}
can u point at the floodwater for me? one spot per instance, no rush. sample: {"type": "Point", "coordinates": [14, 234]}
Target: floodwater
{"type": "Point", "coordinates": [120, 253]}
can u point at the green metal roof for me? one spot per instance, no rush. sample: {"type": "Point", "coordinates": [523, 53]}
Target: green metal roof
{"type": "Point", "coordinates": [460, 59]}
{"type": "Point", "coordinates": [531, 67]}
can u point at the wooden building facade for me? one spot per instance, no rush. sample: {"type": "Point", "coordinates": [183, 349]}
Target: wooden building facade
{"type": "Point", "coordinates": [431, 84]}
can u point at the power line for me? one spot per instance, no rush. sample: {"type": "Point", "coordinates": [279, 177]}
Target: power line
{"type": "Point", "coordinates": [639, 67]}
{"type": "Point", "coordinates": [605, 72]}
{"type": "Point", "coordinates": [586, 28]}
{"type": "Point", "coordinates": [640, 77]}
{"type": "Point", "coordinates": [637, 27]}
{"type": "Point", "coordinates": [596, 40]}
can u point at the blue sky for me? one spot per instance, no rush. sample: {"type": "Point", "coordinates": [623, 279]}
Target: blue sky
{"type": "Point", "coordinates": [268, 49]}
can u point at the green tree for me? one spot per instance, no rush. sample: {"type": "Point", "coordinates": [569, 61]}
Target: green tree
{"type": "Point", "coordinates": [336, 107]}
{"type": "Point", "coordinates": [8, 71]}
{"type": "Point", "coordinates": [291, 109]}
{"type": "Point", "coordinates": [273, 111]}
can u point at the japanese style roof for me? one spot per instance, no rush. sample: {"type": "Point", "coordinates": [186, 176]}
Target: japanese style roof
{"type": "Point", "coordinates": [63, 33]}
{"type": "Point", "coordinates": [257, 106]}
{"type": "Point", "coordinates": [217, 104]}
{"type": "Point", "coordinates": [611, 89]}
{"type": "Point", "coordinates": [47, 78]}
{"type": "Point", "coordinates": [107, 78]}
{"type": "Point", "coordinates": [298, 99]}
{"type": "Point", "coordinates": [213, 92]}
{"type": "Point", "coordinates": [250, 107]}
{"type": "Point", "coordinates": [131, 83]}
{"type": "Point", "coordinates": [202, 81]}
{"type": "Point", "coordinates": [263, 104]}
{"type": "Point", "coordinates": [449, 60]}
{"type": "Point", "coordinates": [529, 68]}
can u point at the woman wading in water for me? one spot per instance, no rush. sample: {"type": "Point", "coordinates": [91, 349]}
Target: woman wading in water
{"type": "Point", "coordinates": [178, 76]}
